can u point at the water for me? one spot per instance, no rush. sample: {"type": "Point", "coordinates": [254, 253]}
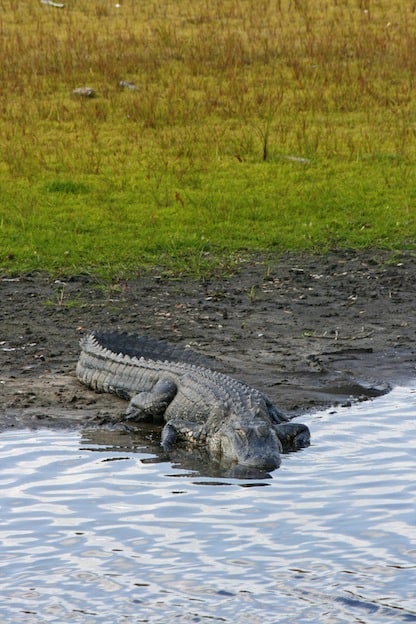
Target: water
{"type": "Point", "coordinates": [95, 533]}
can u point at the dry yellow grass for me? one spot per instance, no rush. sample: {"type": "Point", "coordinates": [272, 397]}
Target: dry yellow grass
{"type": "Point", "coordinates": [238, 98]}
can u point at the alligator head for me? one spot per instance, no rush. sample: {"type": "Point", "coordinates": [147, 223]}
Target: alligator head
{"type": "Point", "coordinates": [252, 444]}
{"type": "Point", "coordinates": [256, 442]}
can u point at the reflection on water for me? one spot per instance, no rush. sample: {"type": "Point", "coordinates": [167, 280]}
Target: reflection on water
{"type": "Point", "coordinates": [98, 531]}
{"type": "Point", "coordinates": [190, 461]}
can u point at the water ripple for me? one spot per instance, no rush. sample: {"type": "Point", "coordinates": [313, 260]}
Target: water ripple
{"type": "Point", "coordinates": [332, 539]}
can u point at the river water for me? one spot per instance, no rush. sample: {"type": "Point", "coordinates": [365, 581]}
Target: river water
{"type": "Point", "coordinates": [92, 532]}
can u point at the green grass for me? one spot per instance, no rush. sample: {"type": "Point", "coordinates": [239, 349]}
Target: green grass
{"type": "Point", "coordinates": [255, 125]}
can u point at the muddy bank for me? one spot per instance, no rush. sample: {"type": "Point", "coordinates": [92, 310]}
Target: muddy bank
{"type": "Point", "coordinates": [308, 331]}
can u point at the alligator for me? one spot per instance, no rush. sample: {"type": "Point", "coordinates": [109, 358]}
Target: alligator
{"type": "Point", "coordinates": [198, 405]}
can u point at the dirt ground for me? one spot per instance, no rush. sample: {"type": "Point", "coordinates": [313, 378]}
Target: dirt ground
{"type": "Point", "coordinates": [309, 331]}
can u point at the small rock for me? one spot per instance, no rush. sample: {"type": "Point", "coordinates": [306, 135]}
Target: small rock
{"type": "Point", "coordinates": [86, 92]}
{"type": "Point", "coordinates": [125, 84]}
{"type": "Point", "coordinates": [297, 159]}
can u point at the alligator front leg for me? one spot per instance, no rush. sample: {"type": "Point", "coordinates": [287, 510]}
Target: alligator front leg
{"type": "Point", "coordinates": [275, 413]}
{"type": "Point", "coordinates": [293, 436]}
{"type": "Point", "coordinates": [153, 404]}
{"type": "Point", "coordinates": [168, 438]}
{"type": "Point", "coordinates": [180, 431]}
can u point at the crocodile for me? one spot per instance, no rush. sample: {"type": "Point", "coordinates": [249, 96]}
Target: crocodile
{"type": "Point", "coordinates": [196, 404]}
